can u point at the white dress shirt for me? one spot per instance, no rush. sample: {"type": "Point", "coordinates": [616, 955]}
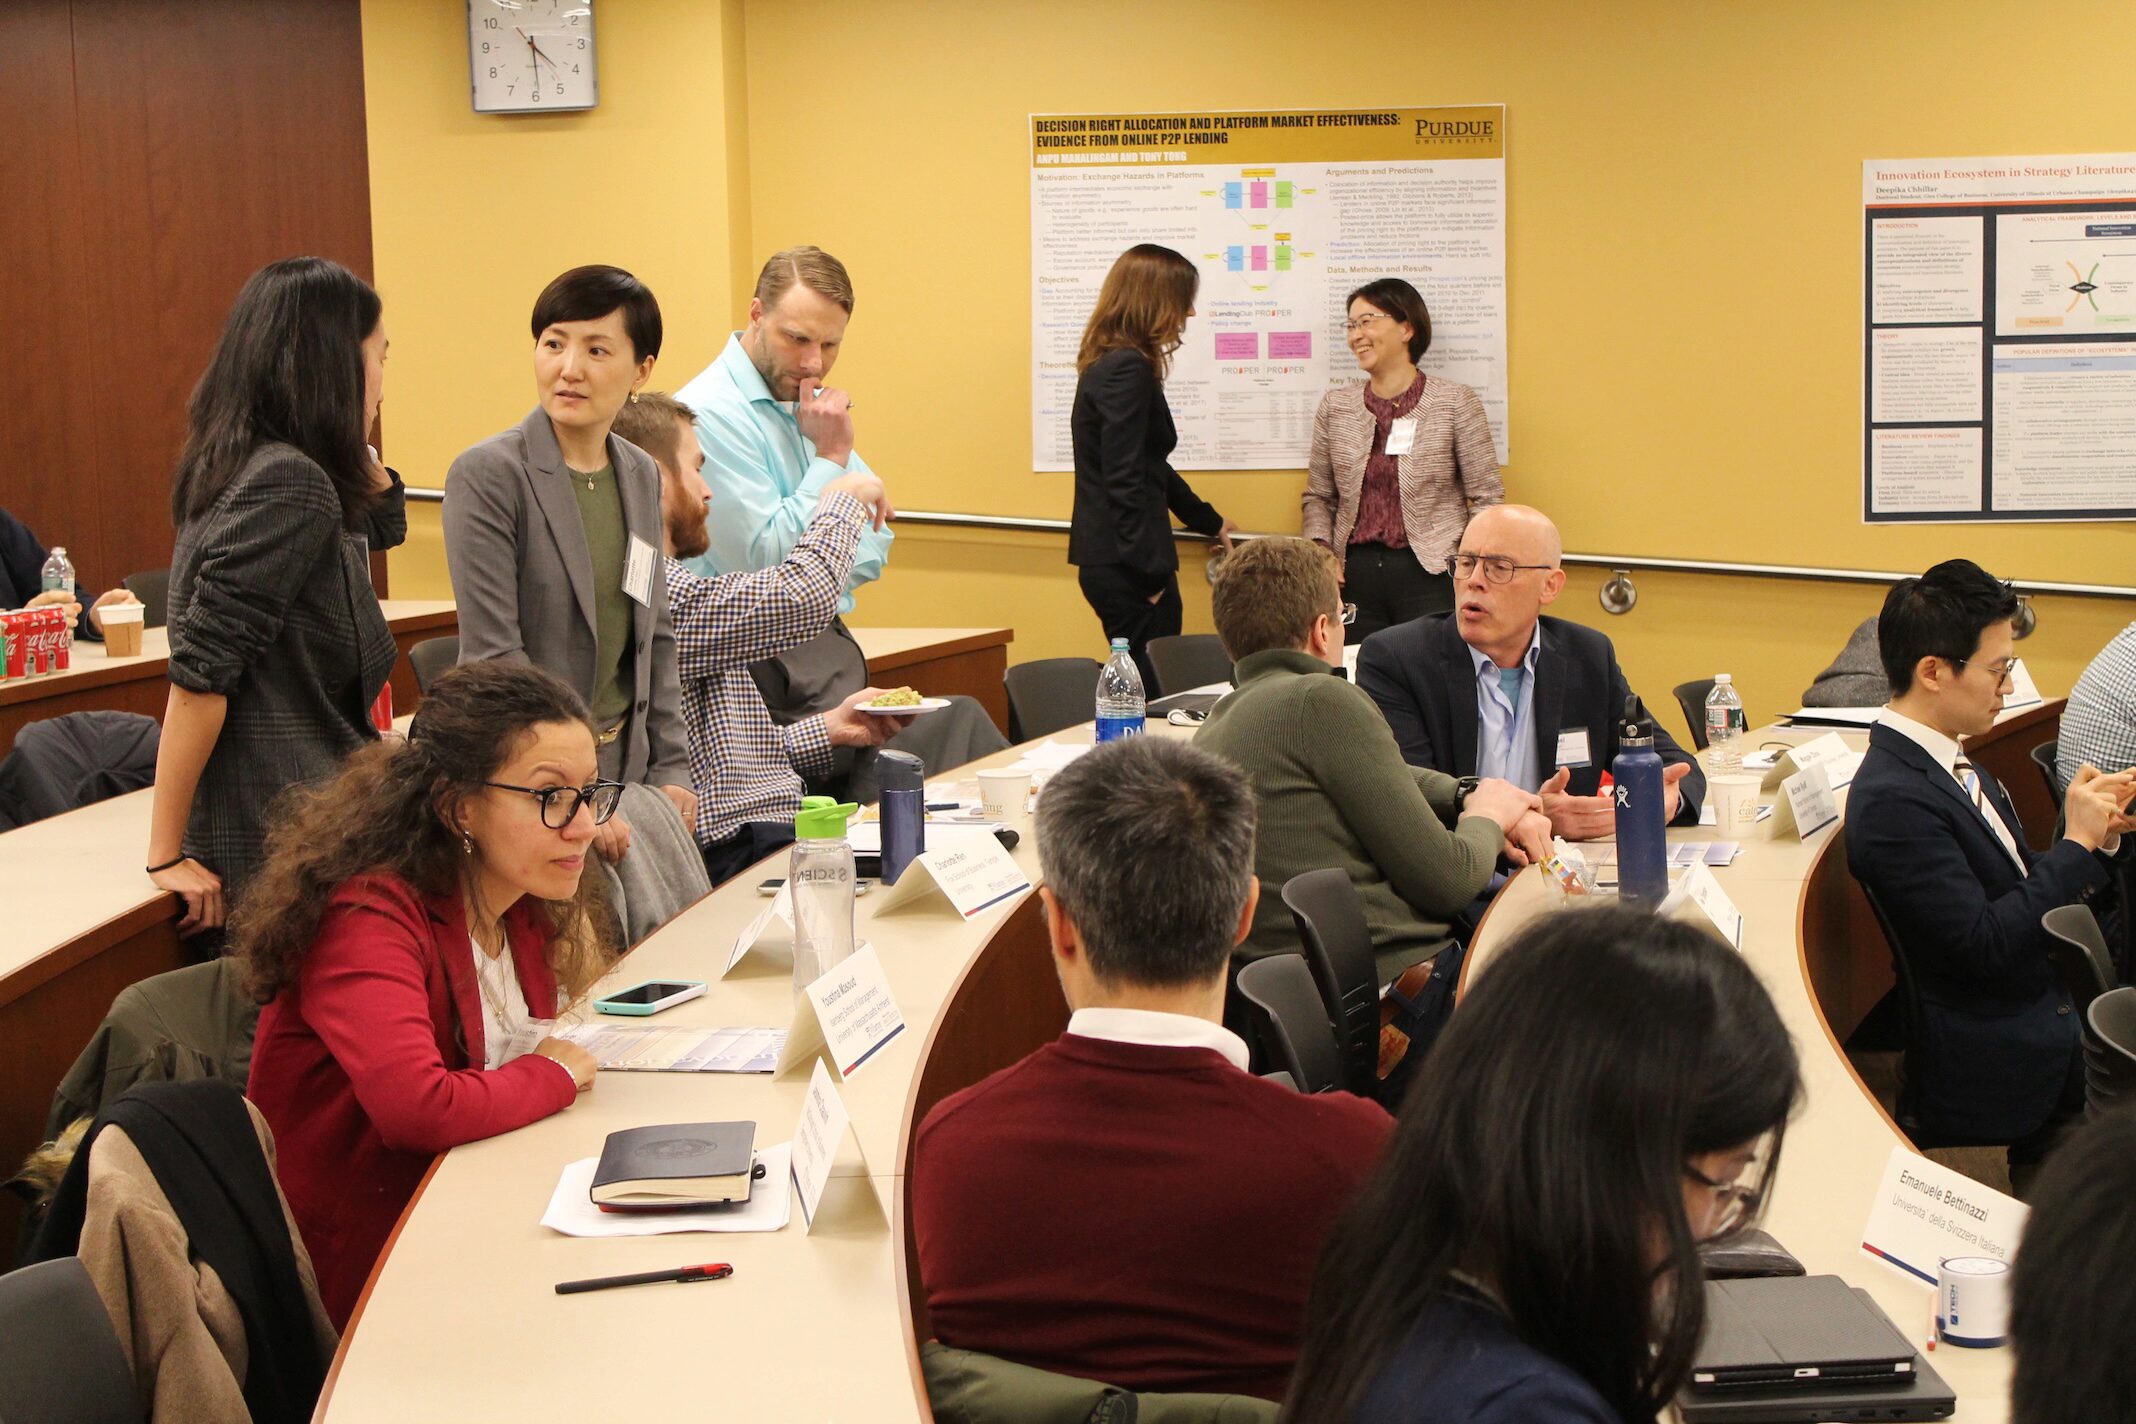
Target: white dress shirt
{"type": "Point", "coordinates": [1946, 753]}
{"type": "Point", "coordinates": [1160, 1030]}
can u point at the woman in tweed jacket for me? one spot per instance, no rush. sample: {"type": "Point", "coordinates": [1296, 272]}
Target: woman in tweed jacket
{"type": "Point", "coordinates": [1399, 462]}
{"type": "Point", "coordinates": [278, 645]}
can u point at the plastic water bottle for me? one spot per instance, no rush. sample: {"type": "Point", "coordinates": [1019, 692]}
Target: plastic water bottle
{"type": "Point", "coordinates": [901, 791]}
{"type": "Point", "coordinates": [1121, 707]}
{"type": "Point", "coordinates": [821, 878]}
{"type": "Point", "coordinates": [58, 573]}
{"type": "Point", "coordinates": [1725, 725]}
{"type": "Point", "coordinates": [1642, 851]}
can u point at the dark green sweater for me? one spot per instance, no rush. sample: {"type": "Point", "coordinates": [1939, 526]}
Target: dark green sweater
{"type": "Point", "coordinates": [1333, 790]}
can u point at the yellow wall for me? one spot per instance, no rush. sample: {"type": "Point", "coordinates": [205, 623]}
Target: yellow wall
{"type": "Point", "coordinates": [472, 214]}
{"type": "Point", "coordinates": [1685, 260]}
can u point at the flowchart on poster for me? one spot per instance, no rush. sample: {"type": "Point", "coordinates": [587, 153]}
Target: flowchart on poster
{"type": "Point", "coordinates": [1284, 212]}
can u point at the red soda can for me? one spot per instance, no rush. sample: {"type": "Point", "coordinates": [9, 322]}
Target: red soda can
{"type": "Point", "coordinates": [17, 645]}
{"type": "Point", "coordinates": [39, 656]}
{"type": "Point", "coordinates": [62, 640]}
{"type": "Point", "coordinates": [382, 709]}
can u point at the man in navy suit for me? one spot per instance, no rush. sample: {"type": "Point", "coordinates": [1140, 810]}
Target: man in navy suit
{"type": "Point", "coordinates": [1494, 688]}
{"type": "Point", "coordinates": [1937, 844]}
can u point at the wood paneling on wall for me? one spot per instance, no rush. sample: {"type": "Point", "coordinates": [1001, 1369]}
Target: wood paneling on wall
{"type": "Point", "coordinates": [158, 154]}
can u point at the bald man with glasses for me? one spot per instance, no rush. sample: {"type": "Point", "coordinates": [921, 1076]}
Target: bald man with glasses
{"type": "Point", "coordinates": [1497, 688]}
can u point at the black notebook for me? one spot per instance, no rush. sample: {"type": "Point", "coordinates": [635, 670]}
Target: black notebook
{"type": "Point", "coordinates": [676, 1164]}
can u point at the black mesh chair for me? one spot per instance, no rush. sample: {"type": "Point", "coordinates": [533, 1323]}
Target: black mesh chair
{"type": "Point", "coordinates": [152, 587]}
{"type": "Point", "coordinates": [1916, 1061]}
{"type": "Point", "coordinates": [1049, 694]}
{"type": "Point", "coordinates": [2079, 953]}
{"type": "Point", "coordinates": [1284, 1006]}
{"type": "Point", "coordinates": [60, 1360]}
{"type": "Point", "coordinates": [1188, 661]}
{"type": "Point", "coordinates": [2110, 1051]}
{"type": "Point", "coordinates": [1691, 699]}
{"type": "Point", "coordinates": [1338, 947]}
{"type": "Point", "coordinates": [431, 658]}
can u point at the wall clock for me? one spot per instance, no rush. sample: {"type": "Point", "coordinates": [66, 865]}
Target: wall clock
{"type": "Point", "coordinates": [528, 56]}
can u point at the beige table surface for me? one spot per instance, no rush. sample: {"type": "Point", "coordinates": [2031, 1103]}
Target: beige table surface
{"type": "Point", "coordinates": [1839, 1140]}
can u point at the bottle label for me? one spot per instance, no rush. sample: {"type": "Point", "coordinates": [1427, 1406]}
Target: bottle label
{"type": "Point", "coordinates": [1113, 728]}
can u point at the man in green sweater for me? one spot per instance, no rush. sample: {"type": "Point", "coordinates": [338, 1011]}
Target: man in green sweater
{"type": "Point", "coordinates": [1331, 783]}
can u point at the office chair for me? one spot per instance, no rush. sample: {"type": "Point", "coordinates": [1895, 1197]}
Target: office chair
{"type": "Point", "coordinates": [2110, 1051]}
{"type": "Point", "coordinates": [152, 587]}
{"type": "Point", "coordinates": [1291, 1022]}
{"type": "Point", "coordinates": [1338, 947]}
{"type": "Point", "coordinates": [1188, 661]}
{"type": "Point", "coordinates": [1691, 699]}
{"type": "Point", "coordinates": [433, 657]}
{"type": "Point", "coordinates": [2043, 757]}
{"type": "Point", "coordinates": [60, 1360]}
{"type": "Point", "coordinates": [1915, 1061]}
{"type": "Point", "coordinates": [2079, 953]}
{"type": "Point", "coordinates": [1049, 694]}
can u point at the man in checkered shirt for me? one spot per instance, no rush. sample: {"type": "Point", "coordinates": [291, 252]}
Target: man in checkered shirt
{"type": "Point", "coordinates": [747, 769]}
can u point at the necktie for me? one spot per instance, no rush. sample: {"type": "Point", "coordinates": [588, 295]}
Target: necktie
{"type": "Point", "coordinates": [1977, 793]}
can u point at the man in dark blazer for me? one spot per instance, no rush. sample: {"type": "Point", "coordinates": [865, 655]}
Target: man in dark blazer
{"type": "Point", "coordinates": [1494, 688]}
{"type": "Point", "coordinates": [1937, 844]}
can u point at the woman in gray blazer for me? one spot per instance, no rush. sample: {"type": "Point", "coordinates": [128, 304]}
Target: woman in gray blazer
{"type": "Point", "coordinates": [278, 646]}
{"type": "Point", "coordinates": [553, 537]}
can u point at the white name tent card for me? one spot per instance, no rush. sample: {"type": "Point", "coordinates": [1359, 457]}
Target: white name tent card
{"type": "Point", "coordinates": [1805, 805]}
{"type": "Point", "coordinates": [973, 873]}
{"type": "Point", "coordinates": [817, 1138]}
{"type": "Point", "coordinates": [1700, 898]}
{"type": "Point", "coordinates": [775, 919]}
{"type": "Point", "coordinates": [1830, 750]}
{"type": "Point", "coordinates": [849, 1013]}
{"type": "Point", "coordinates": [1924, 1212]}
{"type": "Point", "coordinates": [2024, 692]}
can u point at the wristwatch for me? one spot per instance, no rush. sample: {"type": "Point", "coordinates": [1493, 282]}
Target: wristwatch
{"type": "Point", "coordinates": [1462, 788]}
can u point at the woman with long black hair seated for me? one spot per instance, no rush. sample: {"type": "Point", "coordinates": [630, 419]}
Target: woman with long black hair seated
{"type": "Point", "coordinates": [1611, 1092]}
{"type": "Point", "coordinates": [413, 915]}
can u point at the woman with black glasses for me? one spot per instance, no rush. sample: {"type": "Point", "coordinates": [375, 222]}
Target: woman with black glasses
{"type": "Point", "coordinates": [1610, 1093]}
{"type": "Point", "coordinates": [414, 916]}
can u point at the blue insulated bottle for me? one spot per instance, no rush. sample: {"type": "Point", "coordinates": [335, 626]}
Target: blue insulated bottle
{"type": "Point", "coordinates": [901, 778]}
{"type": "Point", "coordinates": [1642, 851]}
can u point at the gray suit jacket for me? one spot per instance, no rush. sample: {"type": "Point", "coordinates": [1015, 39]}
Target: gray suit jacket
{"type": "Point", "coordinates": [516, 550]}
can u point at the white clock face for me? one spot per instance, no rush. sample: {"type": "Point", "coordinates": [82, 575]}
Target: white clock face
{"type": "Point", "coordinates": [525, 56]}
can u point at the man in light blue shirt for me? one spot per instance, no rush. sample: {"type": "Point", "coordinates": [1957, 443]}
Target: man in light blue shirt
{"type": "Point", "coordinates": [772, 439]}
{"type": "Point", "coordinates": [1505, 716]}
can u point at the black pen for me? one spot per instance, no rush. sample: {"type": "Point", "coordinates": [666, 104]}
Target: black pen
{"type": "Point", "coordinates": [718, 1272]}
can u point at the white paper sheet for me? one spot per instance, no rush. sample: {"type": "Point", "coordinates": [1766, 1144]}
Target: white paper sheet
{"type": "Point", "coordinates": [572, 1212]}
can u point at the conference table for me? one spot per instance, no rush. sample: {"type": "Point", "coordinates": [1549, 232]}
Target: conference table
{"type": "Point", "coordinates": [84, 922]}
{"type": "Point", "coordinates": [96, 681]}
{"type": "Point", "coordinates": [824, 1324]}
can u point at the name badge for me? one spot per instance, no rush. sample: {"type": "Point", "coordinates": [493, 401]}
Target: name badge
{"type": "Point", "coordinates": [638, 572]}
{"type": "Point", "coordinates": [1572, 748]}
{"type": "Point", "coordinates": [1401, 436]}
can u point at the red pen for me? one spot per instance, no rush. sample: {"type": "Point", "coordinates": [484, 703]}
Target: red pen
{"type": "Point", "coordinates": [717, 1272]}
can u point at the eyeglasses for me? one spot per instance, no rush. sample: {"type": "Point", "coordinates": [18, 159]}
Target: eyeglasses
{"type": "Point", "coordinates": [560, 804]}
{"type": "Point", "coordinates": [1356, 322]}
{"type": "Point", "coordinates": [2005, 675]}
{"type": "Point", "coordinates": [1734, 1203]}
{"type": "Point", "coordinates": [1496, 567]}
{"type": "Point", "coordinates": [1349, 614]}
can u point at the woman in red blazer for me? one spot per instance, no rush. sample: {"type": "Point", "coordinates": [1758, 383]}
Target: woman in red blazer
{"type": "Point", "coordinates": [414, 914]}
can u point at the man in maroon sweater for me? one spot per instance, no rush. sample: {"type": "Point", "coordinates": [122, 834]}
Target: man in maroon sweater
{"type": "Point", "coordinates": [1129, 1204]}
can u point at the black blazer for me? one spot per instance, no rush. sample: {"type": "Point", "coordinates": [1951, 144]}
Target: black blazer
{"type": "Point", "coordinates": [1123, 433]}
{"type": "Point", "coordinates": [1998, 1034]}
{"type": "Point", "coordinates": [1423, 679]}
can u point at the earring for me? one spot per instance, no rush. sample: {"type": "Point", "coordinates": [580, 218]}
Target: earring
{"type": "Point", "coordinates": [467, 843]}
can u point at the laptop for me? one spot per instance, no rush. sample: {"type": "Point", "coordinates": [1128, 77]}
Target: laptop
{"type": "Point", "coordinates": [1794, 1350]}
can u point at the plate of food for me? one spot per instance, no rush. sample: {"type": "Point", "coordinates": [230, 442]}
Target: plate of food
{"type": "Point", "coordinates": [902, 702]}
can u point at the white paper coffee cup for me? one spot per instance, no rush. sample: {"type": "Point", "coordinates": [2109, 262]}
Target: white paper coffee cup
{"type": "Point", "coordinates": [1973, 1302]}
{"type": "Point", "coordinates": [1003, 794]}
{"type": "Point", "coordinates": [1735, 805]}
{"type": "Point", "coordinates": [112, 613]}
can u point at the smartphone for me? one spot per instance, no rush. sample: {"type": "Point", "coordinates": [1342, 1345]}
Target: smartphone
{"type": "Point", "coordinates": [650, 997]}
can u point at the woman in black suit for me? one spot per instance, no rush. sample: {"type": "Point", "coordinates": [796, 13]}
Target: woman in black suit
{"type": "Point", "coordinates": [278, 645]}
{"type": "Point", "coordinates": [1120, 539]}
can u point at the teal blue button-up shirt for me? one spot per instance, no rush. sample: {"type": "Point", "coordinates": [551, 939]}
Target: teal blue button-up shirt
{"type": "Point", "coordinates": [765, 475]}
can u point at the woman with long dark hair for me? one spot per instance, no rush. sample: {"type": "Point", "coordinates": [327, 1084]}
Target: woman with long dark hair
{"type": "Point", "coordinates": [413, 917]}
{"type": "Point", "coordinates": [1611, 1092]}
{"type": "Point", "coordinates": [1120, 537]}
{"type": "Point", "coordinates": [278, 646]}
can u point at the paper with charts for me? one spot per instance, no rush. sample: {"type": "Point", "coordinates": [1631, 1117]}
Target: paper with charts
{"type": "Point", "coordinates": [636, 1048]}
{"type": "Point", "coordinates": [1284, 212]}
{"type": "Point", "coordinates": [1999, 333]}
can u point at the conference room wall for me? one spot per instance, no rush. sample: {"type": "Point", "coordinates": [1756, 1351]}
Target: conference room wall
{"type": "Point", "coordinates": [474, 213]}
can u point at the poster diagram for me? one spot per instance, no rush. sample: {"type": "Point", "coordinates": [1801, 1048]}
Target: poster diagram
{"type": "Point", "coordinates": [1284, 213]}
{"type": "Point", "coordinates": [1999, 338]}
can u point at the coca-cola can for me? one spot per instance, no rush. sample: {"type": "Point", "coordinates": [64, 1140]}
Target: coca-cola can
{"type": "Point", "coordinates": [18, 644]}
{"type": "Point", "coordinates": [41, 654]}
{"type": "Point", "coordinates": [382, 710]}
{"type": "Point", "coordinates": [62, 640]}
